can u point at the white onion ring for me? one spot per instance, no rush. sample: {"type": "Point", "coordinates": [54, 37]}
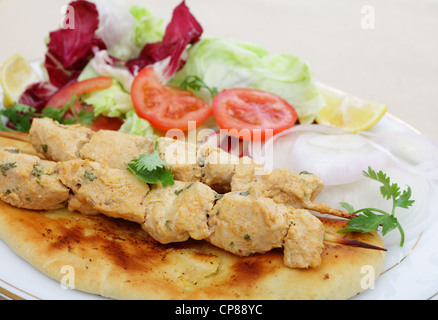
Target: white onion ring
{"type": "Point", "coordinates": [334, 155]}
{"type": "Point", "coordinates": [412, 151]}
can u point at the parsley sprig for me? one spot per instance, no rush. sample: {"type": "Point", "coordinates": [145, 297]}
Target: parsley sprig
{"type": "Point", "coordinates": [151, 169]}
{"type": "Point", "coordinates": [21, 115]}
{"type": "Point", "coordinates": [84, 117]}
{"type": "Point", "coordinates": [370, 219]}
{"type": "Point", "coordinates": [195, 83]}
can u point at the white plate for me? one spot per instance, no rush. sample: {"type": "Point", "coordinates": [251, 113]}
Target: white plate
{"type": "Point", "coordinates": [410, 272]}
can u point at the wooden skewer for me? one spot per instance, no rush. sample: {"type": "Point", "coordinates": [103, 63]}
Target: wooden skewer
{"type": "Point", "coordinates": [350, 242]}
{"type": "Point", "coordinates": [325, 209]}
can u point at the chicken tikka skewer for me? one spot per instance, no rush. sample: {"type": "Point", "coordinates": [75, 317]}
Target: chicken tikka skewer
{"type": "Point", "coordinates": [210, 165]}
{"type": "Point", "coordinates": [237, 222]}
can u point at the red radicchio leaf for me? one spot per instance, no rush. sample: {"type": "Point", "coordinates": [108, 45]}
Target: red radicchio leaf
{"type": "Point", "coordinates": [36, 95]}
{"type": "Point", "coordinates": [182, 30]}
{"type": "Point", "coordinates": [71, 47]}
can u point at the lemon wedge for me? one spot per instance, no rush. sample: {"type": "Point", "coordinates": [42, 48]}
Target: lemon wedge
{"type": "Point", "coordinates": [348, 112]}
{"type": "Point", "coordinates": [16, 75]}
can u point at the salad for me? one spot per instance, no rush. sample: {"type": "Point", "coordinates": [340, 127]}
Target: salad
{"type": "Point", "coordinates": [136, 76]}
{"type": "Point", "coordinates": [120, 68]}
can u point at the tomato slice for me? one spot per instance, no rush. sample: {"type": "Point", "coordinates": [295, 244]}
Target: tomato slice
{"type": "Point", "coordinates": [248, 113]}
{"type": "Point", "coordinates": [64, 95]}
{"type": "Point", "coordinates": [106, 123]}
{"type": "Point", "coordinates": [166, 107]}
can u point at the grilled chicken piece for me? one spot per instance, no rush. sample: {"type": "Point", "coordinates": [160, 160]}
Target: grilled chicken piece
{"type": "Point", "coordinates": [113, 192]}
{"type": "Point", "coordinates": [219, 167]}
{"type": "Point", "coordinates": [281, 185]}
{"type": "Point", "coordinates": [284, 186]}
{"type": "Point", "coordinates": [304, 241]}
{"type": "Point", "coordinates": [78, 202]}
{"type": "Point", "coordinates": [115, 149]}
{"type": "Point", "coordinates": [243, 224]}
{"type": "Point", "coordinates": [178, 212]}
{"type": "Point", "coordinates": [210, 165]}
{"type": "Point", "coordinates": [28, 182]}
{"type": "Point", "coordinates": [57, 142]}
{"type": "Point", "coordinates": [183, 158]}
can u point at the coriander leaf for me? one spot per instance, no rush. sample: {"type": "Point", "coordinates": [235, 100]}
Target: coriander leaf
{"type": "Point", "coordinates": [7, 166]}
{"type": "Point", "coordinates": [86, 117]}
{"type": "Point", "coordinates": [52, 113]}
{"type": "Point", "coordinates": [151, 169]}
{"type": "Point", "coordinates": [369, 220]}
{"type": "Point", "coordinates": [166, 177]}
{"type": "Point", "coordinates": [347, 206]}
{"type": "Point", "coordinates": [154, 176]}
{"type": "Point", "coordinates": [68, 121]}
{"type": "Point", "coordinates": [150, 161]}
{"type": "Point", "coordinates": [195, 83]}
{"type": "Point", "coordinates": [366, 222]}
{"type": "Point", "coordinates": [22, 108]}
{"type": "Point", "coordinates": [20, 116]}
{"type": "Point", "coordinates": [58, 114]}
{"type": "Point", "coordinates": [387, 189]}
{"type": "Point", "coordinates": [177, 192]}
{"type": "Point", "coordinates": [404, 200]}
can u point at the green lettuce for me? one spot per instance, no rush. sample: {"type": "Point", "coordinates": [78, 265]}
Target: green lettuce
{"type": "Point", "coordinates": [147, 27]}
{"type": "Point", "coordinates": [224, 64]}
{"type": "Point", "coordinates": [133, 124]}
{"type": "Point", "coordinates": [111, 102]}
{"type": "Point", "coordinates": [125, 30]}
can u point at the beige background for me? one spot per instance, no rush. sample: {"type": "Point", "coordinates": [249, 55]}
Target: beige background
{"type": "Point", "coordinates": [395, 63]}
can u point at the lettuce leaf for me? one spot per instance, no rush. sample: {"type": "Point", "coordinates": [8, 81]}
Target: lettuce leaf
{"type": "Point", "coordinates": [111, 102]}
{"type": "Point", "coordinates": [223, 64]}
{"type": "Point", "coordinates": [103, 64]}
{"type": "Point", "coordinates": [147, 28]}
{"type": "Point", "coordinates": [133, 124]}
{"type": "Point", "coordinates": [125, 31]}
{"type": "Point", "coordinates": [116, 26]}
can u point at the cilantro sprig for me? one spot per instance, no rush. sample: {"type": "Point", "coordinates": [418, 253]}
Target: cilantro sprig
{"type": "Point", "coordinates": [370, 219]}
{"type": "Point", "coordinates": [84, 117]}
{"type": "Point", "coordinates": [21, 115]}
{"type": "Point", "coordinates": [151, 169]}
{"type": "Point", "coordinates": [195, 83]}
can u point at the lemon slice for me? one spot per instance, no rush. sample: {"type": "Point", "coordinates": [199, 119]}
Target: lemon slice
{"type": "Point", "coordinates": [348, 112]}
{"type": "Point", "coordinates": [16, 75]}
